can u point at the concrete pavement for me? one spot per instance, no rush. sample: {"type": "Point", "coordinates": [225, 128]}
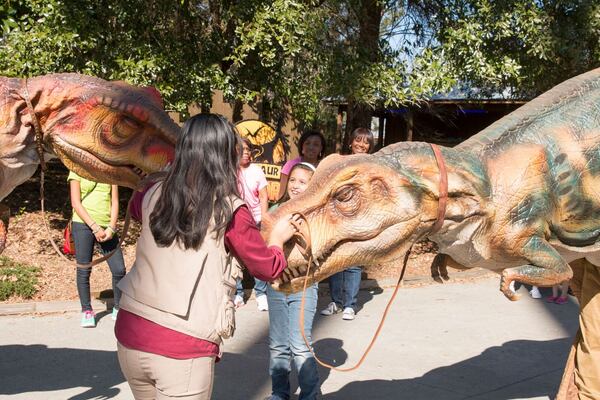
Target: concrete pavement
{"type": "Point", "coordinates": [451, 341]}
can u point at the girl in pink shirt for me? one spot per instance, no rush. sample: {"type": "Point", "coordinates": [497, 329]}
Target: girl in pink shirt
{"type": "Point", "coordinates": [253, 188]}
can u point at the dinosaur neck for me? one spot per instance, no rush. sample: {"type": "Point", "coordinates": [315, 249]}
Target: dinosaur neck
{"type": "Point", "coordinates": [18, 152]}
{"type": "Point", "coordinates": [466, 173]}
{"type": "Point", "coordinates": [468, 186]}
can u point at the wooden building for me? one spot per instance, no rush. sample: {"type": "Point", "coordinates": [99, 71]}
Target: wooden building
{"type": "Point", "coordinates": [446, 122]}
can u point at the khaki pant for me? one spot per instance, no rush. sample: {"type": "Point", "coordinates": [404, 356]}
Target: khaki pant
{"type": "Point", "coordinates": [154, 377]}
{"type": "Point", "coordinates": [581, 379]}
{"type": "Point", "coordinates": [587, 355]}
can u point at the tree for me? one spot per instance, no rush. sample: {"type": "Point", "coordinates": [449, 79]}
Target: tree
{"type": "Point", "coordinates": [291, 55]}
{"type": "Point", "coordinates": [516, 48]}
{"type": "Point", "coordinates": [174, 45]}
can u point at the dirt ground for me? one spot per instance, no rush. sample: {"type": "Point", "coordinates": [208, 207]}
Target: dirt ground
{"type": "Point", "coordinates": [28, 241]}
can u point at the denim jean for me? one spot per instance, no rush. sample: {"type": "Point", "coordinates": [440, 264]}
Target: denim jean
{"type": "Point", "coordinates": [260, 288]}
{"type": "Point", "coordinates": [84, 250]}
{"type": "Point", "coordinates": [286, 343]}
{"type": "Point", "coordinates": [344, 287]}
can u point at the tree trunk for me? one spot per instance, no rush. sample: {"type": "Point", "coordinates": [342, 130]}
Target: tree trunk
{"type": "Point", "coordinates": [368, 14]}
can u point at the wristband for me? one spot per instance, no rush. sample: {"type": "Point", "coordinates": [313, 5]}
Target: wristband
{"type": "Point", "coordinates": [111, 228]}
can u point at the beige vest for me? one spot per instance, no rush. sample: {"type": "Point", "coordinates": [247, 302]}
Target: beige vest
{"type": "Point", "coordinates": [189, 291]}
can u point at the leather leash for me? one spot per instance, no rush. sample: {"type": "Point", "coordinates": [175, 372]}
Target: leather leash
{"type": "Point", "coordinates": [304, 234]}
{"type": "Point", "coordinates": [39, 139]}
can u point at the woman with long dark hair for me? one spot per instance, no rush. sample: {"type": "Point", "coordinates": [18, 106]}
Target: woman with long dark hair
{"type": "Point", "coordinates": [176, 305]}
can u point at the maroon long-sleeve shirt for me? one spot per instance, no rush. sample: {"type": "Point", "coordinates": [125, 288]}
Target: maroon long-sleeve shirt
{"type": "Point", "coordinates": [243, 240]}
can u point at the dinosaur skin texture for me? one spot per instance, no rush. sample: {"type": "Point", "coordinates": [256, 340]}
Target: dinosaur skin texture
{"type": "Point", "coordinates": [523, 197]}
{"type": "Point", "coordinates": [110, 132]}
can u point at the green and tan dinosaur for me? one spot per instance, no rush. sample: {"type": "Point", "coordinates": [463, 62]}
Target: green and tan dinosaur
{"type": "Point", "coordinates": [110, 132]}
{"type": "Point", "coordinates": [523, 197]}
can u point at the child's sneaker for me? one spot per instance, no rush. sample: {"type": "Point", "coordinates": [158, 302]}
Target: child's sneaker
{"type": "Point", "coordinates": [238, 301]}
{"type": "Point", "coordinates": [535, 292]}
{"type": "Point", "coordinates": [88, 319]}
{"type": "Point", "coordinates": [262, 303]}
{"type": "Point", "coordinates": [561, 300]}
{"type": "Point", "coordinates": [115, 311]}
{"type": "Point", "coordinates": [551, 299]}
{"type": "Point", "coordinates": [348, 314]}
{"type": "Point", "coordinates": [331, 309]}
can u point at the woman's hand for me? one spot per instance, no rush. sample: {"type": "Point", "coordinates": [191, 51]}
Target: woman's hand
{"type": "Point", "coordinates": [283, 230]}
{"type": "Point", "coordinates": [109, 233]}
{"type": "Point", "coordinates": [100, 235]}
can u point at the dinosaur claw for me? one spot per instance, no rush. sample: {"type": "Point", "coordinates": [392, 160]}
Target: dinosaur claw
{"type": "Point", "coordinates": [507, 290]}
{"type": "Point", "coordinates": [512, 296]}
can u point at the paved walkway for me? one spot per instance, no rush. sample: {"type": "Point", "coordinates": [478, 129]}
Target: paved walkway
{"type": "Point", "coordinates": [451, 341]}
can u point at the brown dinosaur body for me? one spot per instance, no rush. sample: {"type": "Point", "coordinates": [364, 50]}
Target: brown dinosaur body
{"type": "Point", "coordinates": [522, 196]}
{"type": "Point", "coordinates": [110, 132]}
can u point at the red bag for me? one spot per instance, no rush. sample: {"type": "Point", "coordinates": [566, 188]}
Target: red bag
{"type": "Point", "coordinates": [69, 244]}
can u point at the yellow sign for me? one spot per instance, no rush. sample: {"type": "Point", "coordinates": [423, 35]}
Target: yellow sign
{"type": "Point", "coordinates": [269, 150]}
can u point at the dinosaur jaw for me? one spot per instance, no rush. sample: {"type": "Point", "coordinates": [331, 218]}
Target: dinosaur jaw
{"type": "Point", "coordinates": [382, 248]}
{"type": "Point", "coordinates": [81, 161]}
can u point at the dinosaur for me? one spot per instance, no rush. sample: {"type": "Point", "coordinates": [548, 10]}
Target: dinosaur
{"type": "Point", "coordinates": [110, 132]}
{"type": "Point", "coordinates": [522, 198]}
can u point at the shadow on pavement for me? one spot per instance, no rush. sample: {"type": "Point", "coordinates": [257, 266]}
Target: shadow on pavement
{"type": "Point", "coordinates": [499, 373]}
{"type": "Point", "coordinates": [37, 368]}
{"type": "Point", "coordinates": [242, 368]}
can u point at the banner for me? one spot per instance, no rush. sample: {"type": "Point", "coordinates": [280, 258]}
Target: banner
{"type": "Point", "coordinates": [269, 149]}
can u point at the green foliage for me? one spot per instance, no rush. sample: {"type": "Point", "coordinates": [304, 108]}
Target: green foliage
{"type": "Point", "coordinates": [161, 43]}
{"type": "Point", "coordinates": [523, 46]}
{"type": "Point", "coordinates": [17, 279]}
{"type": "Point", "coordinates": [293, 54]}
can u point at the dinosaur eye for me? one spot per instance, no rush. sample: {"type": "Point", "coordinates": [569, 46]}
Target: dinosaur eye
{"type": "Point", "coordinates": [130, 122]}
{"type": "Point", "coordinates": [126, 127]}
{"type": "Point", "coordinates": [347, 200]}
{"type": "Point", "coordinates": [344, 194]}
{"type": "Point", "coordinates": [120, 130]}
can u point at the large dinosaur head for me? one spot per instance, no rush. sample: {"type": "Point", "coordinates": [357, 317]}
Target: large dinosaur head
{"type": "Point", "coordinates": [110, 132]}
{"type": "Point", "coordinates": [360, 210]}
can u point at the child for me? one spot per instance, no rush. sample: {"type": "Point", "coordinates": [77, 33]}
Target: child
{"type": "Point", "coordinates": [285, 339]}
{"type": "Point", "coordinates": [253, 188]}
{"type": "Point", "coordinates": [555, 298]}
{"type": "Point", "coordinates": [95, 210]}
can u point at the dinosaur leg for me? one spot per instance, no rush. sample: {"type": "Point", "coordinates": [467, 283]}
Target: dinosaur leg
{"type": "Point", "coordinates": [439, 271]}
{"type": "Point", "coordinates": [4, 216]}
{"type": "Point", "coordinates": [439, 267]}
{"type": "Point", "coordinates": [546, 268]}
